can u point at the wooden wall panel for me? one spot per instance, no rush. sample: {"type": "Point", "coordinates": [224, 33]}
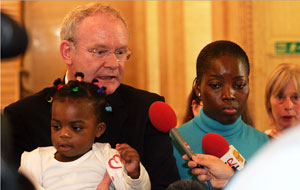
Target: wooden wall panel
{"type": "Point", "coordinates": [171, 47]}
{"type": "Point", "coordinates": [10, 68]}
{"type": "Point", "coordinates": [197, 33]}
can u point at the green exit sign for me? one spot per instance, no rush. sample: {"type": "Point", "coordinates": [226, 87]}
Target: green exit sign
{"type": "Point", "coordinates": [287, 48]}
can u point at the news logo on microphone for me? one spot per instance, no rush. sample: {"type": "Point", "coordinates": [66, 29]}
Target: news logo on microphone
{"type": "Point", "coordinates": [215, 144]}
{"type": "Point", "coordinates": [233, 158]}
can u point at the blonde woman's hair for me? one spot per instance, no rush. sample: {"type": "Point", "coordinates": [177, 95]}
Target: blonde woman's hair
{"type": "Point", "coordinates": [278, 81]}
{"type": "Point", "coordinates": [73, 18]}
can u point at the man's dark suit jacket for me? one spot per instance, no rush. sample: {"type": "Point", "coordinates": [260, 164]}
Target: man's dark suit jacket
{"type": "Point", "coordinates": [127, 123]}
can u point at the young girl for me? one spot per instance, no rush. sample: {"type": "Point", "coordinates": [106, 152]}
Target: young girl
{"type": "Point", "coordinates": [75, 161]}
{"type": "Point", "coordinates": [222, 84]}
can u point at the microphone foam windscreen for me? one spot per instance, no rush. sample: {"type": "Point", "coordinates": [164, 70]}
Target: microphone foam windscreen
{"type": "Point", "coordinates": [214, 144]}
{"type": "Point", "coordinates": [162, 116]}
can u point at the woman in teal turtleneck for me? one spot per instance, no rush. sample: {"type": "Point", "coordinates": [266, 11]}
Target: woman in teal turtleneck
{"type": "Point", "coordinates": [222, 84]}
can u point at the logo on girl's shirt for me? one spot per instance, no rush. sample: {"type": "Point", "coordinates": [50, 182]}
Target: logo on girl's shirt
{"type": "Point", "coordinates": [115, 162]}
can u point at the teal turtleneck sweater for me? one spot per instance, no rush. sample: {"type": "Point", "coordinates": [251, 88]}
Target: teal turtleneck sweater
{"type": "Point", "coordinates": [243, 137]}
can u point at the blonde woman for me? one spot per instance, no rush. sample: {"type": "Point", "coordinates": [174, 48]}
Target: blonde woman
{"type": "Point", "coordinates": [282, 97]}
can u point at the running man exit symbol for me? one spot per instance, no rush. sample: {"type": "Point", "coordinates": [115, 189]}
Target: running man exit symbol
{"type": "Point", "coordinates": [287, 48]}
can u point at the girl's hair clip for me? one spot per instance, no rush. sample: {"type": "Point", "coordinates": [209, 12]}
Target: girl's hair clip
{"type": "Point", "coordinates": [75, 89]}
{"type": "Point", "coordinates": [59, 86]}
{"type": "Point", "coordinates": [79, 76]}
{"type": "Point", "coordinates": [101, 90]}
{"type": "Point", "coordinates": [95, 82]}
{"type": "Point", "coordinates": [58, 83]}
{"type": "Point", "coordinates": [50, 99]}
{"type": "Point", "coordinates": [108, 108]}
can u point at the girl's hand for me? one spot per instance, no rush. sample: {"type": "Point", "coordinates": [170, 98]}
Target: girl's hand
{"type": "Point", "coordinates": [130, 159]}
{"type": "Point", "coordinates": [104, 184]}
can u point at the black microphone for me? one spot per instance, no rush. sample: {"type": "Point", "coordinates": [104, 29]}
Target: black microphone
{"type": "Point", "coordinates": [14, 38]}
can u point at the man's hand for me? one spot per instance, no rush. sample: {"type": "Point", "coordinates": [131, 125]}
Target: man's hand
{"type": "Point", "coordinates": [214, 169]}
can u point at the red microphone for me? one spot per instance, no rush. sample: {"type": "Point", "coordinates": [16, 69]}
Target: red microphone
{"type": "Point", "coordinates": [164, 119]}
{"type": "Point", "coordinates": [162, 116]}
{"type": "Point", "coordinates": [215, 144]}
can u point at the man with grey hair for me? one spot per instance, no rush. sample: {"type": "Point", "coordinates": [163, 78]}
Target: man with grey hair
{"type": "Point", "coordinates": [94, 41]}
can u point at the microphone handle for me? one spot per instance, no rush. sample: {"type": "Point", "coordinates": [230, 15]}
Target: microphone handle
{"type": "Point", "coordinates": [183, 144]}
{"type": "Point", "coordinates": [186, 148]}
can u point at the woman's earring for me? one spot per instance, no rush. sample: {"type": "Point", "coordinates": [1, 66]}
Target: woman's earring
{"type": "Point", "coordinates": [199, 94]}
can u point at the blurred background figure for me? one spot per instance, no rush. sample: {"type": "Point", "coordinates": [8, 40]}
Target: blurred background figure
{"type": "Point", "coordinates": [13, 42]}
{"type": "Point", "coordinates": [193, 106]}
{"type": "Point", "coordinates": [185, 184]}
{"type": "Point", "coordinates": [13, 37]}
{"type": "Point", "coordinates": [282, 98]}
